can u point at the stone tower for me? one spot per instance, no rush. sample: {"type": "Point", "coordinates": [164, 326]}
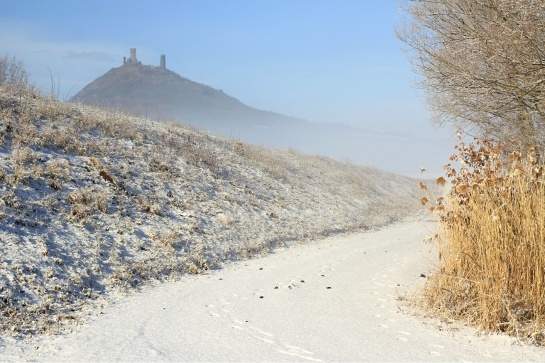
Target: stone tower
{"type": "Point", "coordinates": [133, 55]}
{"type": "Point", "coordinates": [162, 65]}
{"type": "Point", "coordinates": [132, 59]}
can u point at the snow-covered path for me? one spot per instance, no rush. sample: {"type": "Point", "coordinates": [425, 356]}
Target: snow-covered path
{"type": "Point", "coordinates": [333, 300]}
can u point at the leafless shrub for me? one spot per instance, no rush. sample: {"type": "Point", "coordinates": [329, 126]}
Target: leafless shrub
{"type": "Point", "coordinates": [50, 108]}
{"type": "Point", "coordinates": [193, 145]}
{"type": "Point", "coordinates": [158, 163]}
{"type": "Point", "coordinates": [172, 127]}
{"type": "Point", "coordinates": [7, 122]}
{"type": "Point", "coordinates": [12, 72]}
{"type": "Point", "coordinates": [482, 65]}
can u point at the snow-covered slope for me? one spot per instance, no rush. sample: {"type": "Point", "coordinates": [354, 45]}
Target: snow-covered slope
{"type": "Point", "coordinates": [93, 201]}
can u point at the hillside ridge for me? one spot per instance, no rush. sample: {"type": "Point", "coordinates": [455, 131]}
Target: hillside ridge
{"type": "Point", "coordinates": [160, 93]}
{"type": "Point", "coordinates": [94, 201]}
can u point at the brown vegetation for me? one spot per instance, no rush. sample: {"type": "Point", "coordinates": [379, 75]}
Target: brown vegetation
{"type": "Point", "coordinates": [491, 242]}
{"type": "Point", "coordinates": [483, 69]}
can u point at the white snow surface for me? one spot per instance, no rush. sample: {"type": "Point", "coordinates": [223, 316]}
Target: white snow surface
{"type": "Point", "coordinates": [337, 299]}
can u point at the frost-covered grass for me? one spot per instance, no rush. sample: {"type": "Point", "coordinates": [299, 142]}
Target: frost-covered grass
{"type": "Point", "coordinates": [93, 201]}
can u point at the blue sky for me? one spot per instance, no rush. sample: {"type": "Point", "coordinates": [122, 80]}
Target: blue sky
{"type": "Point", "coordinates": [324, 61]}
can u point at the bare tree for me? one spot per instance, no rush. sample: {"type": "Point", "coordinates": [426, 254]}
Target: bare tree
{"type": "Point", "coordinates": [482, 64]}
{"type": "Point", "coordinates": [12, 72]}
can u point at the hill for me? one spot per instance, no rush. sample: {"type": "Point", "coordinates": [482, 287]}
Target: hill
{"type": "Point", "coordinates": [94, 201]}
{"type": "Point", "coordinates": [160, 94]}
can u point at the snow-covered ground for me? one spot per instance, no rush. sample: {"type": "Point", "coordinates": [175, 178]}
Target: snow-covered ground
{"type": "Point", "coordinates": [95, 202]}
{"type": "Point", "coordinates": [127, 239]}
{"type": "Point", "coordinates": [338, 299]}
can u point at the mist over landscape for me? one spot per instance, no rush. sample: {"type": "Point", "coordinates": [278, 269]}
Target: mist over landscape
{"type": "Point", "coordinates": [339, 88]}
{"type": "Point", "coordinates": [157, 93]}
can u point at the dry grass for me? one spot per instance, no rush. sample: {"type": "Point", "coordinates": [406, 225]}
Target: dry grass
{"type": "Point", "coordinates": [94, 201]}
{"type": "Point", "coordinates": [12, 72]}
{"type": "Point", "coordinates": [492, 242]}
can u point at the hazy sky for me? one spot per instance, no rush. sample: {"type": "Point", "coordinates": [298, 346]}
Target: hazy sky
{"type": "Point", "coordinates": [324, 61]}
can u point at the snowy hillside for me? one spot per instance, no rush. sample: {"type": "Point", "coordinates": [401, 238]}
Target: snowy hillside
{"type": "Point", "coordinates": [93, 202]}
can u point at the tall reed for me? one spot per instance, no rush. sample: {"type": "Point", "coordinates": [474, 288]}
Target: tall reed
{"type": "Point", "coordinates": [491, 241]}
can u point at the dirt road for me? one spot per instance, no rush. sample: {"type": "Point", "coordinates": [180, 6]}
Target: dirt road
{"type": "Point", "coordinates": [332, 300]}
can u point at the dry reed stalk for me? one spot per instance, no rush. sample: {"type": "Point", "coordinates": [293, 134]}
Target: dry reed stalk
{"type": "Point", "coordinates": [492, 242]}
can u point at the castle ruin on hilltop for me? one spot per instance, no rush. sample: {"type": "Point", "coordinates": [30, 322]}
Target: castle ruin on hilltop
{"type": "Point", "coordinates": [133, 61]}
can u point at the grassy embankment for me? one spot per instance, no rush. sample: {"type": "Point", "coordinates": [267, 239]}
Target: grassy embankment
{"type": "Point", "coordinates": [94, 201]}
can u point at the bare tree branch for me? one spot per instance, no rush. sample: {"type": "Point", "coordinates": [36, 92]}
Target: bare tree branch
{"type": "Point", "coordinates": [482, 64]}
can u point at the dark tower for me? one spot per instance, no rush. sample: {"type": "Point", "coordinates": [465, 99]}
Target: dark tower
{"type": "Point", "coordinates": [133, 55]}
{"type": "Point", "coordinates": [162, 65]}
